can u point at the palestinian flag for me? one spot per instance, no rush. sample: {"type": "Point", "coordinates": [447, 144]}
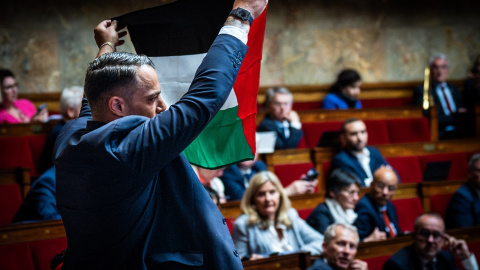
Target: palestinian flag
{"type": "Point", "coordinates": [177, 37]}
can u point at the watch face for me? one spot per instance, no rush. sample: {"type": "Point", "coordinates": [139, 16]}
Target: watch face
{"type": "Point", "coordinates": [243, 13]}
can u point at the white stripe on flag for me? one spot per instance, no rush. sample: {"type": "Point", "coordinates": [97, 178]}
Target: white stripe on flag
{"type": "Point", "coordinates": [175, 74]}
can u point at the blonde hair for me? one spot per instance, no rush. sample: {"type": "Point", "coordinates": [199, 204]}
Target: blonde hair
{"type": "Point", "coordinates": [248, 201]}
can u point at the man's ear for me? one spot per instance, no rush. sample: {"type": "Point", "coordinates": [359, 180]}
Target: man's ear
{"type": "Point", "coordinates": [117, 106]}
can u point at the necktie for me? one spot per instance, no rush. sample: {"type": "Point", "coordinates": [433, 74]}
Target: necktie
{"type": "Point", "coordinates": [431, 266]}
{"type": "Point", "coordinates": [391, 232]}
{"type": "Point", "coordinates": [446, 100]}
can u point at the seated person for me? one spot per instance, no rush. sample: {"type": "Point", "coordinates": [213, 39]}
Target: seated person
{"type": "Point", "coordinates": [377, 218]}
{"type": "Point", "coordinates": [210, 179]}
{"type": "Point", "coordinates": [235, 178]}
{"type": "Point", "coordinates": [432, 248]}
{"type": "Point", "coordinates": [344, 92]}
{"type": "Point", "coordinates": [279, 117]}
{"type": "Point", "coordinates": [446, 97]}
{"type": "Point", "coordinates": [269, 224]}
{"type": "Point", "coordinates": [339, 249]}
{"type": "Point", "coordinates": [40, 202]}
{"type": "Point", "coordinates": [70, 104]}
{"type": "Point", "coordinates": [356, 156]}
{"type": "Point", "coordinates": [463, 210]}
{"type": "Point", "coordinates": [13, 110]}
{"type": "Point", "coordinates": [341, 198]}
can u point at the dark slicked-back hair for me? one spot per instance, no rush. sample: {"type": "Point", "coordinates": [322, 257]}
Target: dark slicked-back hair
{"type": "Point", "coordinates": [113, 71]}
{"type": "Point", "coordinates": [348, 121]}
{"type": "Point", "coordinates": [345, 78]}
{"type": "Point", "coordinates": [340, 179]}
{"type": "Point", "coordinates": [5, 73]}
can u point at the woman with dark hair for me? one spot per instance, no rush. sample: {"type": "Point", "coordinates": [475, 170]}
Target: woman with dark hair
{"type": "Point", "coordinates": [13, 110]}
{"type": "Point", "coordinates": [472, 86]}
{"type": "Point", "coordinates": [341, 197]}
{"type": "Point", "coordinates": [344, 92]}
{"type": "Point", "coordinates": [269, 224]}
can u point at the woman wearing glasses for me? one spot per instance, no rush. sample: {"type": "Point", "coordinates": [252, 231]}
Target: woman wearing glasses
{"type": "Point", "coordinates": [269, 225]}
{"type": "Point", "coordinates": [13, 110]}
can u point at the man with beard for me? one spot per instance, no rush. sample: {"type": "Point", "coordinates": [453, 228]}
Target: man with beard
{"type": "Point", "coordinates": [426, 251]}
{"type": "Point", "coordinates": [339, 249]}
{"type": "Point", "coordinates": [356, 156]}
{"type": "Point", "coordinates": [377, 218]}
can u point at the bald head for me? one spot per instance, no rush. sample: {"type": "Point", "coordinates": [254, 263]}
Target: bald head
{"type": "Point", "coordinates": [384, 185]}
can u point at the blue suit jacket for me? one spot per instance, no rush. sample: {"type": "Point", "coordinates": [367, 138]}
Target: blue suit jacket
{"type": "Point", "coordinates": [320, 264]}
{"type": "Point", "coordinates": [370, 217]}
{"type": "Point", "coordinates": [407, 259]}
{"type": "Point", "coordinates": [128, 197]}
{"type": "Point", "coordinates": [347, 161]}
{"type": "Point", "coordinates": [40, 203]}
{"type": "Point", "coordinates": [463, 210]}
{"type": "Point", "coordinates": [233, 180]}
{"type": "Point", "coordinates": [268, 124]}
{"type": "Point", "coordinates": [320, 218]}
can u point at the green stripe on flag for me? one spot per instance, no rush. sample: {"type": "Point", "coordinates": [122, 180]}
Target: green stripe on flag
{"type": "Point", "coordinates": [224, 137]}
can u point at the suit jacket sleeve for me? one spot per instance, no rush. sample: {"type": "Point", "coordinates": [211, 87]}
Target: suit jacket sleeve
{"type": "Point", "coordinates": [459, 210]}
{"type": "Point", "coordinates": [320, 218]}
{"type": "Point", "coordinates": [391, 265]}
{"type": "Point", "coordinates": [365, 221]}
{"type": "Point", "coordinates": [312, 240]}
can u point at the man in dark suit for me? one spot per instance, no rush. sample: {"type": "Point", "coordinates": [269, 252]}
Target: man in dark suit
{"type": "Point", "coordinates": [339, 249]}
{"type": "Point", "coordinates": [281, 118]}
{"type": "Point", "coordinates": [463, 210]}
{"type": "Point", "coordinates": [426, 252]}
{"type": "Point", "coordinates": [377, 218]}
{"type": "Point", "coordinates": [356, 156]}
{"type": "Point", "coordinates": [40, 203]}
{"type": "Point", "coordinates": [236, 177]}
{"type": "Point", "coordinates": [128, 197]}
{"type": "Point", "coordinates": [447, 98]}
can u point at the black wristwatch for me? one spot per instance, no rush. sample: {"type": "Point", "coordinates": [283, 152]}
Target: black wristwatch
{"type": "Point", "coordinates": [242, 14]}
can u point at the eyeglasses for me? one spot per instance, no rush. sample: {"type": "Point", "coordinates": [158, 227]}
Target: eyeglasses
{"type": "Point", "coordinates": [424, 233]}
{"type": "Point", "coordinates": [382, 186]}
{"type": "Point", "coordinates": [10, 87]}
{"type": "Point", "coordinates": [350, 192]}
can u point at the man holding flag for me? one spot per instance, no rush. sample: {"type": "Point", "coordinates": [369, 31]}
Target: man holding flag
{"type": "Point", "coordinates": [128, 197]}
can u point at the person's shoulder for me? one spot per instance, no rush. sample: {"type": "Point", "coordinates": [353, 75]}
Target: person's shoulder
{"type": "Point", "coordinates": [465, 192]}
{"type": "Point", "coordinates": [24, 102]}
{"type": "Point", "coordinates": [292, 213]}
{"type": "Point", "coordinates": [260, 166]}
{"type": "Point", "coordinates": [319, 264]}
{"type": "Point", "coordinates": [364, 203]}
{"type": "Point", "coordinates": [241, 220]}
{"type": "Point", "coordinates": [403, 254]}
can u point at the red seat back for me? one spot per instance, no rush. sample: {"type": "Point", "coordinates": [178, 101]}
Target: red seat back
{"type": "Point", "coordinates": [37, 142]}
{"type": "Point", "coordinates": [16, 153]}
{"type": "Point", "coordinates": [312, 132]}
{"type": "Point", "coordinates": [377, 131]}
{"type": "Point", "coordinates": [407, 211]}
{"type": "Point", "coordinates": [44, 250]}
{"type": "Point", "coordinates": [439, 203]}
{"type": "Point", "coordinates": [303, 106]}
{"type": "Point", "coordinates": [16, 257]}
{"type": "Point", "coordinates": [408, 168]}
{"type": "Point", "coordinates": [458, 168]}
{"type": "Point", "coordinates": [386, 102]}
{"type": "Point", "coordinates": [287, 173]}
{"type": "Point", "coordinates": [304, 213]}
{"type": "Point", "coordinates": [376, 263]}
{"type": "Point", "coordinates": [408, 130]}
{"type": "Point", "coordinates": [10, 201]}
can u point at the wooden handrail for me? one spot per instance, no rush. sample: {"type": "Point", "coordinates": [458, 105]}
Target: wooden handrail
{"type": "Point", "coordinates": [31, 231]}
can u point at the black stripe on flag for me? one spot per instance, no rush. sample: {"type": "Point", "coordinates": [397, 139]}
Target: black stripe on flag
{"type": "Point", "coordinates": [183, 27]}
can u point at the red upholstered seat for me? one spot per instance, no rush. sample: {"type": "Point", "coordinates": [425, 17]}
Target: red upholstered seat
{"type": "Point", "coordinates": [10, 201]}
{"type": "Point", "coordinates": [326, 170]}
{"type": "Point", "coordinates": [312, 132]}
{"type": "Point", "coordinates": [407, 211]}
{"type": "Point", "coordinates": [377, 131]}
{"type": "Point", "coordinates": [408, 130]}
{"type": "Point", "coordinates": [376, 263]}
{"type": "Point", "coordinates": [16, 257]}
{"type": "Point", "coordinates": [287, 173]}
{"type": "Point", "coordinates": [15, 152]}
{"type": "Point", "coordinates": [230, 222]}
{"type": "Point", "coordinates": [44, 250]}
{"type": "Point", "coordinates": [458, 168]}
{"type": "Point", "coordinates": [408, 168]}
{"type": "Point", "coordinates": [386, 103]}
{"type": "Point", "coordinates": [37, 142]}
{"type": "Point", "coordinates": [303, 106]}
{"type": "Point", "coordinates": [304, 213]}
{"type": "Point", "coordinates": [439, 203]}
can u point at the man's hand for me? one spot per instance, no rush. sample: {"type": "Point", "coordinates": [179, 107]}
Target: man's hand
{"type": "Point", "coordinates": [376, 235]}
{"type": "Point", "coordinates": [458, 247]}
{"type": "Point", "coordinates": [255, 7]}
{"type": "Point", "coordinates": [298, 187]}
{"type": "Point", "coordinates": [293, 117]}
{"type": "Point", "coordinates": [106, 31]}
{"type": "Point", "coordinates": [359, 265]}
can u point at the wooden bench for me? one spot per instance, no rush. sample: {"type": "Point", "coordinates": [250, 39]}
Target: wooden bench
{"type": "Point", "coordinates": [294, 261]}
{"type": "Point", "coordinates": [31, 231]}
